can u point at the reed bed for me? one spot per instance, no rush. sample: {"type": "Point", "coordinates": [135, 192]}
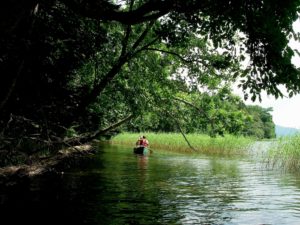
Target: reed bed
{"type": "Point", "coordinates": [285, 154]}
{"type": "Point", "coordinates": [175, 142]}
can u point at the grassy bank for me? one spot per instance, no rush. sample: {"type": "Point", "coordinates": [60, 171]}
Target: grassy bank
{"type": "Point", "coordinates": [228, 145]}
{"type": "Point", "coordinates": [285, 154]}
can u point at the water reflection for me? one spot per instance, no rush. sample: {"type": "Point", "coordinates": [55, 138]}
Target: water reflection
{"type": "Point", "coordinates": [203, 191]}
{"type": "Point", "coordinates": [118, 187]}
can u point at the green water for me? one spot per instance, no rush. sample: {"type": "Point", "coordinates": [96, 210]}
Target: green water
{"type": "Point", "coordinates": [118, 187]}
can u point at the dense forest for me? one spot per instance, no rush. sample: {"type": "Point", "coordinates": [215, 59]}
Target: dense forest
{"type": "Point", "coordinates": [72, 70]}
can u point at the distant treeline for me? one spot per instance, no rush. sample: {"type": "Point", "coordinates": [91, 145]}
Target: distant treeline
{"type": "Point", "coordinates": [227, 117]}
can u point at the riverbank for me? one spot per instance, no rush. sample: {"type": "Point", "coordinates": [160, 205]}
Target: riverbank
{"type": "Point", "coordinates": [45, 164]}
{"type": "Point", "coordinates": [228, 145]}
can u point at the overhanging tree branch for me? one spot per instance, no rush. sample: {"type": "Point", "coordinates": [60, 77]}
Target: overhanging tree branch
{"type": "Point", "coordinates": [190, 104]}
{"type": "Point", "coordinates": [127, 33]}
{"type": "Point", "coordinates": [212, 123]}
{"type": "Point", "coordinates": [143, 35]}
{"type": "Point", "coordinates": [123, 59]}
{"type": "Point", "coordinates": [169, 52]}
{"type": "Point", "coordinates": [106, 11]}
{"type": "Point", "coordinates": [176, 54]}
{"type": "Point", "coordinates": [181, 131]}
{"type": "Point", "coordinates": [90, 136]}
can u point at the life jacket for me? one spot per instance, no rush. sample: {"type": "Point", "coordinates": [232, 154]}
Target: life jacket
{"type": "Point", "coordinates": [145, 143]}
{"type": "Point", "coordinates": [141, 142]}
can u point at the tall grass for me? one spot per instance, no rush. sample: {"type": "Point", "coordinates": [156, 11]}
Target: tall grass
{"type": "Point", "coordinates": [228, 145]}
{"type": "Point", "coordinates": [285, 154]}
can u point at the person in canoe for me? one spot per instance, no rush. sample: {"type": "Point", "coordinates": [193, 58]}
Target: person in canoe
{"type": "Point", "coordinates": [141, 146]}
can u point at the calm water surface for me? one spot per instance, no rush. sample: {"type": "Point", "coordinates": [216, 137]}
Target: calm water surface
{"type": "Point", "coordinates": [117, 187]}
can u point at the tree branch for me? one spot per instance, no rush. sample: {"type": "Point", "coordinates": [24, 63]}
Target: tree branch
{"type": "Point", "coordinates": [177, 55]}
{"type": "Point", "coordinates": [181, 131]}
{"type": "Point", "coordinates": [127, 33]}
{"type": "Point", "coordinates": [113, 126]}
{"type": "Point", "coordinates": [169, 52]}
{"type": "Point", "coordinates": [143, 35]}
{"type": "Point", "coordinates": [211, 121]}
{"type": "Point", "coordinates": [185, 138]}
{"type": "Point", "coordinates": [106, 11]}
{"type": "Point", "coordinates": [98, 88]}
{"type": "Point", "coordinates": [145, 47]}
{"type": "Point", "coordinates": [190, 104]}
{"type": "Point", "coordinates": [90, 136]}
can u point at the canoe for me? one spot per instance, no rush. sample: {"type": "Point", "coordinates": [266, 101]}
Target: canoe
{"type": "Point", "coordinates": [141, 150]}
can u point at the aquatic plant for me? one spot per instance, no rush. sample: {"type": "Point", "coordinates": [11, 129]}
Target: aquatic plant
{"type": "Point", "coordinates": [227, 145]}
{"type": "Point", "coordinates": [285, 154]}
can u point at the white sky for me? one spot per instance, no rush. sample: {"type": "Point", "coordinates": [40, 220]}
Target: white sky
{"type": "Point", "coordinates": [286, 111]}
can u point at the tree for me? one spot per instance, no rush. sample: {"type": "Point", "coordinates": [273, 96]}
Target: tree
{"type": "Point", "coordinates": [266, 25]}
{"type": "Point", "coordinates": [261, 125]}
{"type": "Point", "coordinates": [77, 64]}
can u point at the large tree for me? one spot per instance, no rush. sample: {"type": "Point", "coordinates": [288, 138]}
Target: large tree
{"type": "Point", "coordinates": [266, 24]}
{"type": "Point", "coordinates": [77, 64]}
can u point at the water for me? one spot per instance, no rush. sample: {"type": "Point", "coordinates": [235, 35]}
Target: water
{"type": "Point", "coordinates": [117, 187]}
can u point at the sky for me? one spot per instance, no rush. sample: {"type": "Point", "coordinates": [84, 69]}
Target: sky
{"type": "Point", "coordinates": [286, 111]}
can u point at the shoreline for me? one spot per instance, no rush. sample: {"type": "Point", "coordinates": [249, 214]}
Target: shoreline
{"type": "Point", "coordinates": [45, 164]}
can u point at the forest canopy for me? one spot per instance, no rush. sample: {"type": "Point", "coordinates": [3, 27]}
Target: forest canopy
{"type": "Point", "coordinates": [72, 70]}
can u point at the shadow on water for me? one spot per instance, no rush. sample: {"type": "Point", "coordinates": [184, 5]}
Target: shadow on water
{"type": "Point", "coordinates": [118, 187]}
{"type": "Point", "coordinates": [49, 199]}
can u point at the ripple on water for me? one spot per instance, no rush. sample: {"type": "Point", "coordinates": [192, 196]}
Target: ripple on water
{"type": "Point", "coordinates": [117, 187]}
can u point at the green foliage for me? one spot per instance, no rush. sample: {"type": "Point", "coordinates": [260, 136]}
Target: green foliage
{"type": "Point", "coordinates": [88, 64]}
{"type": "Point", "coordinates": [214, 114]}
{"type": "Point", "coordinates": [261, 125]}
{"type": "Point", "coordinates": [71, 132]}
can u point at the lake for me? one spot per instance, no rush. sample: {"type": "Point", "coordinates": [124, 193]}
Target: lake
{"type": "Point", "coordinates": [117, 187]}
